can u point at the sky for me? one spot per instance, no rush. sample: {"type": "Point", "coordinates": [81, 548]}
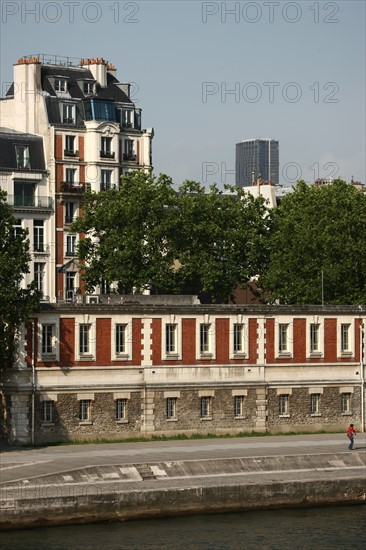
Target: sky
{"type": "Point", "coordinates": [210, 74]}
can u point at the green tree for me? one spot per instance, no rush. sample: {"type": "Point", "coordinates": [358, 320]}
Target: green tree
{"type": "Point", "coordinates": [16, 303]}
{"type": "Point", "coordinates": [188, 241]}
{"type": "Point", "coordinates": [318, 246]}
{"type": "Point", "coordinates": [220, 239]}
{"type": "Point", "coordinates": [126, 233]}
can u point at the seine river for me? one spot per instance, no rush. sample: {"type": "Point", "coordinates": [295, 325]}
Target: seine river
{"type": "Point", "coordinates": [317, 528]}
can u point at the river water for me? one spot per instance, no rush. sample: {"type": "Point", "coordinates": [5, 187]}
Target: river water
{"type": "Point", "coordinates": [330, 528]}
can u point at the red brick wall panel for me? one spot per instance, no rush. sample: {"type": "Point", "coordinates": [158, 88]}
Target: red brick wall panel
{"type": "Point", "coordinates": [189, 341]}
{"type": "Point", "coordinates": [67, 342]}
{"type": "Point", "coordinates": [103, 342]}
{"type": "Point", "coordinates": [222, 340]}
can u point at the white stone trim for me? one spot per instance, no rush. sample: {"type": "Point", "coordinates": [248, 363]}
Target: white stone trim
{"type": "Point", "coordinates": [48, 396]}
{"type": "Point", "coordinates": [239, 320]}
{"type": "Point", "coordinates": [122, 395]}
{"type": "Point", "coordinates": [206, 319]}
{"type": "Point", "coordinates": [349, 320]}
{"type": "Point", "coordinates": [54, 321]}
{"type": "Point", "coordinates": [86, 320]}
{"type": "Point", "coordinates": [316, 390]}
{"type": "Point", "coordinates": [284, 391]}
{"type": "Point", "coordinates": [346, 389]}
{"type": "Point", "coordinates": [317, 320]}
{"type": "Point", "coordinates": [171, 394]}
{"type": "Point", "coordinates": [121, 320]}
{"type": "Point", "coordinates": [171, 319]}
{"type": "Point", "coordinates": [239, 393]}
{"type": "Point", "coordinates": [85, 396]}
{"type": "Point", "coordinates": [206, 393]}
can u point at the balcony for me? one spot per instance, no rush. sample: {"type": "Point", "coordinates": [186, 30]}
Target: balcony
{"type": "Point", "coordinates": [107, 154]}
{"type": "Point", "coordinates": [127, 125]}
{"type": "Point", "coordinates": [74, 187]}
{"type": "Point", "coordinates": [26, 201]}
{"type": "Point", "coordinates": [70, 153]}
{"type": "Point", "coordinates": [129, 157]}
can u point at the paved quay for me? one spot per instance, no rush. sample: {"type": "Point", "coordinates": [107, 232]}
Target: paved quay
{"type": "Point", "coordinates": [93, 482]}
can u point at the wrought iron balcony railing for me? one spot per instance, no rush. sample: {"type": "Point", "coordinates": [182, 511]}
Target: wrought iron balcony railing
{"type": "Point", "coordinates": [25, 201]}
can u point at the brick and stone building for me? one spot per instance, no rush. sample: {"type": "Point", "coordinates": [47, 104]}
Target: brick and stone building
{"type": "Point", "coordinates": [156, 365]}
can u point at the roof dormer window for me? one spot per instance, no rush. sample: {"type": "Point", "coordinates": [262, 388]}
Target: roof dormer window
{"type": "Point", "coordinates": [22, 157]}
{"type": "Point", "coordinates": [88, 88]}
{"type": "Point", "coordinates": [60, 85]}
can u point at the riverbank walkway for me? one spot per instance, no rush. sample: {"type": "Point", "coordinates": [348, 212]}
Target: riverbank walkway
{"type": "Point", "coordinates": [125, 480]}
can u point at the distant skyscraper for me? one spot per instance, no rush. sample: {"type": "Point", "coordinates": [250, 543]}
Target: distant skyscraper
{"type": "Point", "coordinates": [256, 158]}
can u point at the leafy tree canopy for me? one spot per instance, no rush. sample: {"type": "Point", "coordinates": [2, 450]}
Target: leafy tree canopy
{"type": "Point", "coordinates": [188, 241]}
{"type": "Point", "coordinates": [318, 246]}
{"type": "Point", "coordinates": [16, 303]}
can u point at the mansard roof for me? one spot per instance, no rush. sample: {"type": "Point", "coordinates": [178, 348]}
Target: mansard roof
{"type": "Point", "coordinates": [9, 138]}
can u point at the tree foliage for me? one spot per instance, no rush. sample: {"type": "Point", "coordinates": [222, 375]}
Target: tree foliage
{"type": "Point", "coordinates": [318, 246]}
{"type": "Point", "coordinates": [188, 241]}
{"type": "Point", "coordinates": [16, 303]}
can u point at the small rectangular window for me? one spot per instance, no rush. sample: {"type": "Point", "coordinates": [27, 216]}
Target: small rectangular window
{"type": "Point", "coordinates": [39, 276]}
{"type": "Point", "coordinates": [106, 180]}
{"type": "Point", "coordinates": [121, 409]}
{"type": "Point", "coordinates": [68, 113]}
{"type": "Point", "coordinates": [121, 339]}
{"type": "Point", "coordinates": [283, 405]}
{"type": "Point", "coordinates": [315, 403]}
{"type": "Point", "coordinates": [206, 407]}
{"type": "Point", "coordinates": [48, 336]}
{"type": "Point", "coordinates": [47, 411]}
{"type": "Point", "coordinates": [283, 338]}
{"type": "Point", "coordinates": [238, 338]}
{"type": "Point", "coordinates": [171, 407]}
{"type": "Point", "coordinates": [314, 338]}
{"type": "Point", "coordinates": [85, 410]}
{"type": "Point", "coordinates": [239, 405]}
{"type": "Point", "coordinates": [70, 245]}
{"type": "Point", "coordinates": [84, 339]}
{"type": "Point", "coordinates": [204, 338]}
{"type": "Point", "coordinates": [38, 235]}
{"type": "Point", "coordinates": [171, 338]}
{"type": "Point", "coordinates": [346, 403]}
{"type": "Point", "coordinates": [60, 85]}
{"type": "Point", "coordinates": [345, 343]}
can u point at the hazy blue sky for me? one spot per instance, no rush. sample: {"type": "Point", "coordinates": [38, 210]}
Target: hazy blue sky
{"type": "Point", "coordinates": [296, 72]}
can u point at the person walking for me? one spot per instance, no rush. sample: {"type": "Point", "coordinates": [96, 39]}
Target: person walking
{"type": "Point", "coordinates": [351, 432]}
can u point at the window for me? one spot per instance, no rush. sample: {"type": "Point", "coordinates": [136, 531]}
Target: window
{"type": "Point", "coordinates": [345, 343]}
{"type": "Point", "coordinates": [283, 338]}
{"type": "Point", "coordinates": [129, 152]}
{"type": "Point", "coordinates": [127, 118]}
{"type": "Point", "coordinates": [121, 331]}
{"type": "Point", "coordinates": [315, 403]}
{"type": "Point", "coordinates": [38, 236]}
{"type": "Point", "coordinates": [70, 174]}
{"type": "Point", "coordinates": [96, 109]}
{"type": "Point", "coordinates": [48, 339]}
{"type": "Point", "coordinates": [47, 411]}
{"type": "Point", "coordinates": [70, 283]}
{"type": "Point", "coordinates": [205, 338]}
{"type": "Point", "coordinates": [85, 410]}
{"type": "Point", "coordinates": [70, 146]}
{"type": "Point", "coordinates": [314, 338]}
{"type": "Point", "coordinates": [24, 194]}
{"type": "Point", "coordinates": [18, 228]}
{"type": "Point", "coordinates": [70, 209]}
{"type": "Point", "coordinates": [88, 88]}
{"type": "Point", "coordinates": [22, 157]}
{"type": "Point", "coordinates": [171, 408]}
{"type": "Point", "coordinates": [106, 147]}
{"type": "Point", "coordinates": [346, 403]}
{"type": "Point", "coordinates": [84, 339]}
{"type": "Point", "coordinates": [68, 113]}
{"type": "Point", "coordinates": [121, 409]}
{"type": "Point", "coordinates": [239, 406]}
{"type": "Point", "coordinates": [205, 407]}
{"type": "Point", "coordinates": [283, 405]}
{"type": "Point", "coordinates": [70, 245]}
{"type": "Point", "coordinates": [60, 85]}
{"type": "Point", "coordinates": [106, 180]}
{"type": "Point", "coordinates": [39, 275]}
{"type": "Point", "coordinates": [238, 343]}
{"type": "Point", "coordinates": [171, 338]}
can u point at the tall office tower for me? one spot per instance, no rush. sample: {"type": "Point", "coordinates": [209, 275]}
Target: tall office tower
{"type": "Point", "coordinates": [256, 158]}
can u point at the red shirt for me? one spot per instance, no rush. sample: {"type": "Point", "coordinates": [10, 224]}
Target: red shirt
{"type": "Point", "coordinates": [351, 431]}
